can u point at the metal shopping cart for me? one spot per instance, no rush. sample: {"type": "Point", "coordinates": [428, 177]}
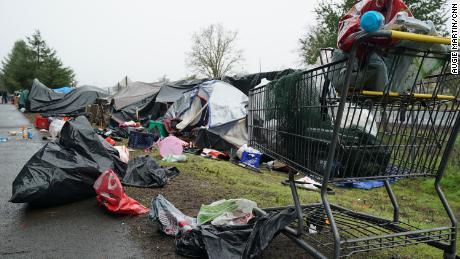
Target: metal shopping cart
{"type": "Point", "coordinates": [361, 118]}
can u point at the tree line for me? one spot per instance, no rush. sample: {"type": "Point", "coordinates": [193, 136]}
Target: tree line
{"type": "Point", "coordinates": [33, 58]}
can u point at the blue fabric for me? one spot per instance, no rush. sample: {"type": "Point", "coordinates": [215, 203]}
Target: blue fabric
{"type": "Point", "coordinates": [64, 90]}
{"type": "Point", "coordinates": [366, 185]}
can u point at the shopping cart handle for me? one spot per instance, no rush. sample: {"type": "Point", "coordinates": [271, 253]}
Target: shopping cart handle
{"type": "Point", "coordinates": [419, 37]}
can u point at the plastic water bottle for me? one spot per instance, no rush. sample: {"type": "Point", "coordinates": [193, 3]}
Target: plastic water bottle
{"type": "Point", "coordinates": [371, 21]}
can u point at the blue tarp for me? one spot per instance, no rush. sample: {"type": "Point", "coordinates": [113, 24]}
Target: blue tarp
{"type": "Point", "coordinates": [366, 185]}
{"type": "Point", "coordinates": [64, 90]}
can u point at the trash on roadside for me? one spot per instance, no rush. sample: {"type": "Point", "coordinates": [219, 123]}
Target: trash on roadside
{"type": "Point", "coordinates": [41, 122]}
{"type": "Point", "coordinates": [110, 194]}
{"type": "Point", "coordinates": [3, 139]}
{"type": "Point", "coordinates": [306, 183]}
{"type": "Point", "coordinates": [174, 158]}
{"type": "Point", "coordinates": [251, 159]}
{"type": "Point", "coordinates": [110, 141]}
{"type": "Point", "coordinates": [123, 152]}
{"type": "Point", "coordinates": [215, 154]}
{"type": "Point", "coordinates": [13, 133]}
{"type": "Point", "coordinates": [64, 170]}
{"type": "Point", "coordinates": [277, 166]}
{"type": "Point", "coordinates": [366, 185]}
{"type": "Point", "coordinates": [56, 127]}
{"type": "Point", "coordinates": [238, 241]}
{"type": "Point", "coordinates": [171, 220]}
{"type": "Point", "coordinates": [171, 146]}
{"type": "Point", "coordinates": [226, 212]}
{"type": "Point", "coordinates": [144, 171]}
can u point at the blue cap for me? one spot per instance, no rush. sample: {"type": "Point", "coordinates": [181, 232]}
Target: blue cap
{"type": "Point", "coordinates": [371, 21]}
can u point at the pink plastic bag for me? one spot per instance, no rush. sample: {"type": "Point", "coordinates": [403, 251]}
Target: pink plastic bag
{"type": "Point", "coordinates": [171, 146]}
{"type": "Point", "coordinates": [111, 195]}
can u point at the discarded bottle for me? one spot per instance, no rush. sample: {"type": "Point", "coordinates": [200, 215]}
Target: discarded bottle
{"type": "Point", "coordinates": [29, 134]}
{"type": "Point", "coordinates": [371, 21]}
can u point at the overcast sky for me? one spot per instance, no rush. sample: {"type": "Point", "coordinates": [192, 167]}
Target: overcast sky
{"type": "Point", "coordinates": [104, 40]}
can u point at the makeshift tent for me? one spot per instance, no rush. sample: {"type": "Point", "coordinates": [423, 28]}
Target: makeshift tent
{"type": "Point", "coordinates": [246, 82]}
{"type": "Point", "coordinates": [135, 101]}
{"type": "Point", "coordinates": [216, 106]}
{"type": "Point", "coordinates": [63, 90]}
{"type": "Point", "coordinates": [44, 100]}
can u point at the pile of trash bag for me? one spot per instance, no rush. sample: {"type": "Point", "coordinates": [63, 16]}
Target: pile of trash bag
{"type": "Point", "coordinates": [244, 240]}
{"type": "Point", "coordinates": [144, 171]}
{"type": "Point", "coordinates": [65, 170]}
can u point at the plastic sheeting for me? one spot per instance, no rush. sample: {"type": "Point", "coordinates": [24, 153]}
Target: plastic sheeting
{"type": "Point", "coordinates": [44, 100]}
{"type": "Point", "coordinates": [64, 170]}
{"type": "Point", "coordinates": [225, 103]}
{"type": "Point", "coordinates": [134, 92]}
{"type": "Point", "coordinates": [63, 90]}
{"type": "Point", "coordinates": [111, 195]}
{"type": "Point", "coordinates": [144, 171]}
{"type": "Point", "coordinates": [247, 82]}
{"type": "Point", "coordinates": [171, 92]}
{"type": "Point", "coordinates": [243, 241]}
{"type": "Point", "coordinates": [171, 220]}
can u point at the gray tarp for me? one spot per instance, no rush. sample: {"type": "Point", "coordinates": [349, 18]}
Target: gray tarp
{"type": "Point", "coordinates": [246, 82]}
{"type": "Point", "coordinates": [171, 92]}
{"type": "Point", "coordinates": [134, 92]}
{"type": "Point", "coordinates": [44, 100]}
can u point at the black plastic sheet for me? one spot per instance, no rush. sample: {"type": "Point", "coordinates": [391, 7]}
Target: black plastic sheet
{"type": "Point", "coordinates": [144, 171]}
{"type": "Point", "coordinates": [64, 170]}
{"type": "Point", "coordinates": [244, 241]}
{"type": "Point", "coordinates": [44, 100]}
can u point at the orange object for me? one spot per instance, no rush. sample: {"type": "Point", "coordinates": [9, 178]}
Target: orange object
{"type": "Point", "coordinates": [41, 122]}
{"type": "Point", "coordinates": [111, 141]}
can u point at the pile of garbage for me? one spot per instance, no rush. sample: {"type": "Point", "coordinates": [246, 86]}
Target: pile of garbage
{"type": "Point", "coordinates": [222, 229]}
{"type": "Point", "coordinates": [64, 170]}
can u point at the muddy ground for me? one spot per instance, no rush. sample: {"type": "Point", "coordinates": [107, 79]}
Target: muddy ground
{"type": "Point", "coordinates": [188, 193]}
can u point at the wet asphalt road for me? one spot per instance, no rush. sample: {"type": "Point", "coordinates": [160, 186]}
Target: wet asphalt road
{"type": "Point", "coordinates": [77, 230]}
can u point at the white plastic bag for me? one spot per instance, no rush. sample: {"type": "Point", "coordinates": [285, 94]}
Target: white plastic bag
{"type": "Point", "coordinates": [123, 152]}
{"type": "Point", "coordinates": [170, 219]}
{"type": "Point", "coordinates": [56, 127]}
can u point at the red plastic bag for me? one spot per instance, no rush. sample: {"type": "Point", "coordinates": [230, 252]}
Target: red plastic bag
{"type": "Point", "coordinates": [110, 193]}
{"type": "Point", "coordinates": [349, 23]}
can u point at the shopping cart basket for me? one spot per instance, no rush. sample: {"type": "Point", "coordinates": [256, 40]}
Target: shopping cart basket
{"type": "Point", "coordinates": [378, 112]}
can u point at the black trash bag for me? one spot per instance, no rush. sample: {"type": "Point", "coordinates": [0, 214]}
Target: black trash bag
{"type": "Point", "coordinates": [243, 241]}
{"type": "Point", "coordinates": [265, 229]}
{"type": "Point", "coordinates": [65, 170]}
{"type": "Point", "coordinates": [226, 242]}
{"type": "Point", "coordinates": [191, 244]}
{"type": "Point", "coordinates": [143, 171]}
